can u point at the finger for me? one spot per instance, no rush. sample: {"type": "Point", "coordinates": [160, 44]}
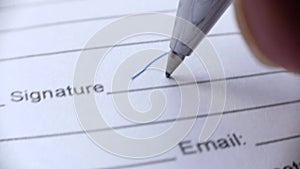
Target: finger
{"type": "Point", "coordinates": [271, 28]}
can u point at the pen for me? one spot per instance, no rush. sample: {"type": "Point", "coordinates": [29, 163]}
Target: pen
{"type": "Point", "coordinates": [201, 13]}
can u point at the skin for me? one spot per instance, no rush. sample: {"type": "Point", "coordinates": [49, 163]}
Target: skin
{"type": "Point", "coordinates": [272, 30]}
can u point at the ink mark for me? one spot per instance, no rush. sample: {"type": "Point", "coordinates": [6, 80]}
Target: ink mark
{"type": "Point", "coordinates": [199, 82]}
{"type": "Point", "coordinates": [2, 105]}
{"type": "Point", "coordinates": [149, 64]}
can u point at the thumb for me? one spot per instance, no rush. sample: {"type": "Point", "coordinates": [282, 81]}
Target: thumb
{"type": "Point", "coordinates": [271, 29]}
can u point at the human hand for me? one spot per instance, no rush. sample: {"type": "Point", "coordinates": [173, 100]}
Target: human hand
{"type": "Point", "coordinates": [272, 30]}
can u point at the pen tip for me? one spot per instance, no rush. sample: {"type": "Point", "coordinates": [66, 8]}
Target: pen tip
{"type": "Point", "coordinates": [168, 75]}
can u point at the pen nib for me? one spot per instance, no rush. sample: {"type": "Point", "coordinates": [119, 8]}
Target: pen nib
{"type": "Point", "coordinates": [174, 61]}
{"type": "Point", "coordinates": [168, 75]}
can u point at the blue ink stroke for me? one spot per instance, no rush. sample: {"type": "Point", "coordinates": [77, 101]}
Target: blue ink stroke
{"type": "Point", "coordinates": [149, 64]}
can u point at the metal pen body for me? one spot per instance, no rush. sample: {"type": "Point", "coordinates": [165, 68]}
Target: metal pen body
{"type": "Point", "coordinates": [201, 13]}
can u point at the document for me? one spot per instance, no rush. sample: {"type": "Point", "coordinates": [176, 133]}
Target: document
{"type": "Point", "coordinates": [43, 105]}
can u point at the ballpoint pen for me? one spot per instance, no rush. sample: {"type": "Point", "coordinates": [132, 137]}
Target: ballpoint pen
{"type": "Point", "coordinates": [201, 13]}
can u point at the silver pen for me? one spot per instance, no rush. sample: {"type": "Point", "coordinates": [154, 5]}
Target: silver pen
{"type": "Point", "coordinates": [201, 13]}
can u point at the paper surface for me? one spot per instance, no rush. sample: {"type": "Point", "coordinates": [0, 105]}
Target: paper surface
{"type": "Point", "coordinates": [40, 44]}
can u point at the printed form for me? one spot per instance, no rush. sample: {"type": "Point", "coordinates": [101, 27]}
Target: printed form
{"type": "Point", "coordinates": [41, 45]}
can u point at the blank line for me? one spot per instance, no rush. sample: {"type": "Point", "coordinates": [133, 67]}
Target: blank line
{"type": "Point", "coordinates": [198, 82]}
{"type": "Point", "coordinates": [74, 21]}
{"type": "Point", "coordinates": [278, 140]}
{"type": "Point", "coordinates": [151, 123]}
{"type": "Point", "coordinates": [167, 160]}
{"type": "Point", "coordinates": [100, 47]}
{"type": "Point", "coordinates": [223, 34]}
{"type": "Point", "coordinates": [79, 50]}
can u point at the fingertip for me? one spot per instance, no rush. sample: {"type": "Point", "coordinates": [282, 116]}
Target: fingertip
{"type": "Point", "coordinates": [270, 32]}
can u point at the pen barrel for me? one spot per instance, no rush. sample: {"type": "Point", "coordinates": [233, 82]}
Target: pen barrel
{"type": "Point", "coordinates": [195, 18]}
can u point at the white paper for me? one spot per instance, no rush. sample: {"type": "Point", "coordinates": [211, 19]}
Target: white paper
{"type": "Point", "coordinates": [40, 43]}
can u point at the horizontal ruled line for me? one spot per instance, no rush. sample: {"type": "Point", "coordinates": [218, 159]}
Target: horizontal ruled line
{"type": "Point", "coordinates": [167, 160]}
{"type": "Point", "coordinates": [223, 34]}
{"type": "Point", "coordinates": [278, 140]}
{"type": "Point", "coordinates": [74, 21]}
{"type": "Point", "coordinates": [198, 82]}
{"type": "Point", "coordinates": [100, 47]}
{"type": "Point", "coordinates": [79, 50]}
{"type": "Point", "coordinates": [151, 123]}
